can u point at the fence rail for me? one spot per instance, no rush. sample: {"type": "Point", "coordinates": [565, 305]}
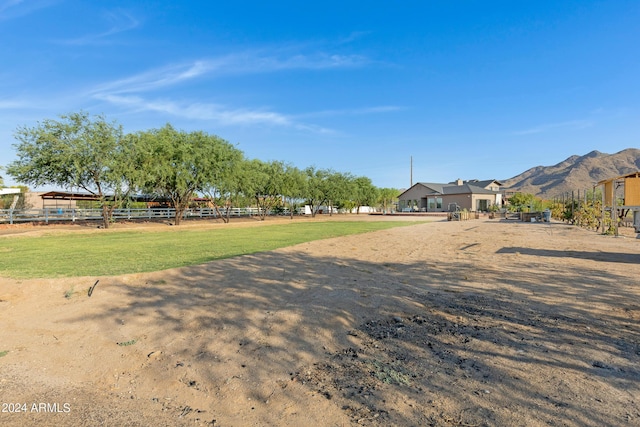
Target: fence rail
{"type": "Point", "coordinates": [12, 216]}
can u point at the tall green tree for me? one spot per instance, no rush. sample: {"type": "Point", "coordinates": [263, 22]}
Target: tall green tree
{"type": "Point", "coordinates": [294, 187]}
{"type": "Point", "coordinates": [364, 192]}
{"type": "Point", "coordinates": [339, 189]}
{"type": "Point", "coordinates": [226, 189]}
{"type": "Point", "coordinates": [177, 164]}
{"type": "Point", "coordinates": [266, 184]}
{"type": "Point", "coordinates": [387, 197]}
{"type": "Point", "coordinates": [76, 152]}
{"type": "Point", "coordinates": [522, 201]}
{"type": "Point", "coordinates": [316, 188]}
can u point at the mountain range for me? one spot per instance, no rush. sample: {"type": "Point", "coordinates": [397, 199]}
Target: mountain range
{"type": "Point", "coordinates": [574, 173]}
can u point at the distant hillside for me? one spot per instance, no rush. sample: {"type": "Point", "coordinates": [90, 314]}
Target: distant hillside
{"type": "Point", "coordinates": [574, 173]}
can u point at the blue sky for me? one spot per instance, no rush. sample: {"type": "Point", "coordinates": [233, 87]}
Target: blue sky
{"type": "Point", "coordinates": [469, 89]}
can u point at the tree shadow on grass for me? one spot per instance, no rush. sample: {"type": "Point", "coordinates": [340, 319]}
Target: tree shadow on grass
{"type": "Point", "coordinates": [400, 343]}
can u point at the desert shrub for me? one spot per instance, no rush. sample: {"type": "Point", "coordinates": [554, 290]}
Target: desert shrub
{"type": "Point", "coordinates": [588, 216]}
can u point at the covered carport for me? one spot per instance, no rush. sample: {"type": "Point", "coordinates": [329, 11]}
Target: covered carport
{"type": "Point", "coordinates": [63, 199]}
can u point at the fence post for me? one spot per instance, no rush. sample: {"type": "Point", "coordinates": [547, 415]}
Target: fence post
{"type": "Point", "coordinates": [572, 202]}
{"type": "Point", "coordinates": [614, 209]}
{"type": "Point", "coordinates": [602, 209]}
{"type": "Point", "coordinates": [10, 216]}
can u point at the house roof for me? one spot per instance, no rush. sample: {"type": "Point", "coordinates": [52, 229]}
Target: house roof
{"type": "Point", "coordinates": [629, 175]}
{"type": "Point", "coordinates": [484, 183]}
{"type": "Point", "coordinates": [438, 188]}
{"type": "Point", "coordinates": [465, 189]}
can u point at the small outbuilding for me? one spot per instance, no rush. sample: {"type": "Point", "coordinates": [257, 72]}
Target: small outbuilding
{"type": "Point", "coordinates": [630, 184]}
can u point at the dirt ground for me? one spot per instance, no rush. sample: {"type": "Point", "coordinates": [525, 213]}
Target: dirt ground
{"type": "Point", "coordinates": [475, 323]}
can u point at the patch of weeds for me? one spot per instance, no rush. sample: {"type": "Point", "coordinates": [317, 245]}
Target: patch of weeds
{"type": "Point", "coordinates": [127, 343]}
{"type": "Point", "coordinates": [4, 353]}
{"type": "Point", "coordinates": [390, 374]}
{"type": "Point", "coordinates": [69, 293]}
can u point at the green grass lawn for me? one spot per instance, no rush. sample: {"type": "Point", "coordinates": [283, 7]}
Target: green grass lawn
{"type": "Point", "coordinates": [122, 252]}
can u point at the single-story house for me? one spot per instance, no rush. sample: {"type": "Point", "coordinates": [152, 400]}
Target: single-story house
{"type": "Point", "coordinates": [472, 195]}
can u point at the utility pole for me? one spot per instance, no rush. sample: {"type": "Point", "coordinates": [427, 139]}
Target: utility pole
{"type": "Point", "coordinates": [411, 171]}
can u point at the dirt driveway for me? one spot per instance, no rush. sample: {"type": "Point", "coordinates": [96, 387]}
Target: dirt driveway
{"type": "Point", "coordinates": [477, 323]}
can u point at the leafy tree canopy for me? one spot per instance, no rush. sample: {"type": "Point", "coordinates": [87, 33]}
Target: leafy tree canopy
{"type": "Point", "coordinates": [76, 151]}
{"type": "Point", "coordinates": [178, 164]}
{"type": "Point", "coordinates": [316, 188]}
{"type": "Point", "coordinates": [294, 186]}
{"type": "Point", "coordinates": [520, 201]}
{"type": "Point", "coordinates": [364, 192]}
{"type": "Point", "coordinates": [387, 197]}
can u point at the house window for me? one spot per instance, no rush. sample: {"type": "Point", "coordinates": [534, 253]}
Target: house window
{"type": "Point", "coordinates": [483, 205]}
{"type": "Point", "coordinates": [434, 203]}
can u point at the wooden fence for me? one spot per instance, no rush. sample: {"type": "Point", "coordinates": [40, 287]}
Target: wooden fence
{"type": "Point", "coordinates": [12, 216]}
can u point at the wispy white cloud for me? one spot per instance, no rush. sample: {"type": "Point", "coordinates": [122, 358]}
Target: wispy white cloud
{"type": "Point", "coordinates": [242, 63]}
{"type": "Point", "coordinates": [199, 111]}
{"type": "Point", "coordinates": [221, 114]}
{"type": "Point", "coordinates": [10, 9]}
{"type": "Point", "coordinates": [7, 4]}
{"type": "Point", "coordinates": [352, 111]}
{"type": "Point", "coordinates": [155, 79]}
{"type": "Point", "coordinates": [356, 35]}
{"type": "Point", "coordinates": [12, 104]}
{"type": "Point", "coordinates": [136, 92]}
{"type": "Point", "coordinates": [568, 125]}
{"type": "Point", "coordinates": [29, 103]}
{"type": "Point", "coordinates": [315, 61]}
{"type": "Point", "coordinates": [119, 21]}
